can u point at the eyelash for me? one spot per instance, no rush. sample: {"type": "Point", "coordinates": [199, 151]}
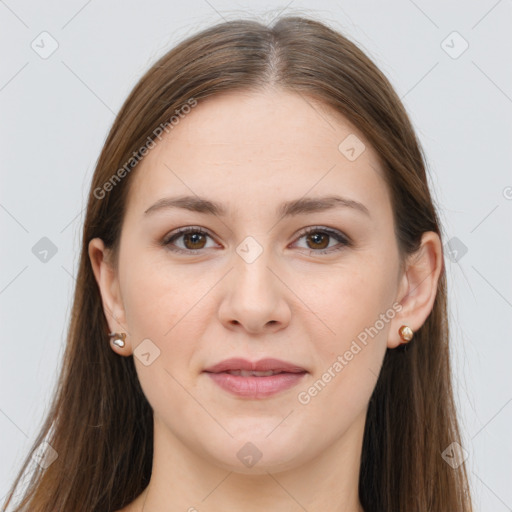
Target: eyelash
{"type": "Point", "coordinates": [343, 240]}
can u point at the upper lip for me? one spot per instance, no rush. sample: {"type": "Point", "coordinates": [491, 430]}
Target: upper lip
{"type": "Point", "coordinates": [262, 365]}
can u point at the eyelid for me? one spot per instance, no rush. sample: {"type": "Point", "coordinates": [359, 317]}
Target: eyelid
{"type": "Point", "coordinates": [342, 238]}
{"type": "Point", "coordinates": [324, 229]}
{"type": "Point", "coordinates": [183, 231]}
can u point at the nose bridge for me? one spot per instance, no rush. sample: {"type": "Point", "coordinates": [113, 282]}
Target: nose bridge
{"type": "Point", "coordinates": [254, 297]}
{"type": "Point", "coordinates": [251, 265]}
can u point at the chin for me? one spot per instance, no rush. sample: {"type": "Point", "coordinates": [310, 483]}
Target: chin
{"type": "Point", "coordinates": [259, 454]}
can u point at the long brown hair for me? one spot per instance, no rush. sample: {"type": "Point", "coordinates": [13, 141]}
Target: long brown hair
{"type": "Point", "coordinates": [100, 423]}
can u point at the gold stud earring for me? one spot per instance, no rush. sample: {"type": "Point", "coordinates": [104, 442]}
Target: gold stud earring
{"type": "Point", "coordinates": [405, 333]}
{"type": "Point", "coordinates": [117, 338]}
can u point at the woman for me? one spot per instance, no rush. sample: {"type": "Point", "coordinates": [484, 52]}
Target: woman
{"type": "Point", "coordinates": [260, 316]}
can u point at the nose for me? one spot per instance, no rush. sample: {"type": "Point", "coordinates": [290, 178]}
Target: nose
{"type": "Point", "coordinates": [254, 298]}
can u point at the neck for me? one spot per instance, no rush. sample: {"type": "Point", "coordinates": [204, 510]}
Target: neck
{"type": "Point", "coordinates": [183, 480]}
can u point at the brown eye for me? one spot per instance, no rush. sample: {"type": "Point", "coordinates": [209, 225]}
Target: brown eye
{"type": "Point", "coordinates": [196, 240]}
{"type": "Point", "coordinates": [192, 240]}
{"type": "Point", "coordinates": [318, 240]}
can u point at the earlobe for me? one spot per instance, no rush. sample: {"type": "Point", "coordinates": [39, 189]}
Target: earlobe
{"type": "Point", "coordinates": [108, 284]}
{"type": "Point", "coordinates": [418, 287]}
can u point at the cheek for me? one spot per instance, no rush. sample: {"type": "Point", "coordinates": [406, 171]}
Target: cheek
{"type": "Point", "coordinates": [155, 296]}
{"type": "Point", "coordinates": [160, 305]}
{"type": "Point", "coordinates": [349, 300]}
{"type": "Point", "coordinates": [357, 307]}
{"type": "Point", "coordinates": [167, 305]}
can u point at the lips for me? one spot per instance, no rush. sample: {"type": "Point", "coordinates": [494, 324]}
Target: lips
{"type": "Point", "coordinates": [263, 365]}
{"type": "Point", "coordinates": [255, 380]}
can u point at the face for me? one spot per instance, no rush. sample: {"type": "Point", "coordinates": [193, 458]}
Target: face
{"type": "Point", "coordinates": [278, 272]}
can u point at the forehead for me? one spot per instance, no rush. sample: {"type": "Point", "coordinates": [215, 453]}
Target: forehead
{"type": "Point", "coordinates": [245, 145]}
{"type": "Point", "coordinates": [270, 121]}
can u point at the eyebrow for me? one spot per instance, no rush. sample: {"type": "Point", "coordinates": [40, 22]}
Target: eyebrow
{"type": "Point", "coordinates": [286, 209]}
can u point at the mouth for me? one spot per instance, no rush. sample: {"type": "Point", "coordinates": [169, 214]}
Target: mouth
{"type": "Point", "coordinates": [238, 364]}
{"type": "Point", "coordinates": [250, 373]}
{"type": "Point", "coordinates": [255, 380]}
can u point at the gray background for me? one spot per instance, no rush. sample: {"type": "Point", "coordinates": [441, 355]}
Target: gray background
{"type": "Point", "coordinates": [56, 111]}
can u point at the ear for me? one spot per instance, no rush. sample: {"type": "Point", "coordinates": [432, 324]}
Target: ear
{"type": "Point", "coordinates": [418, 286]}
{"type": "Point", "coordinates": [108, 283]}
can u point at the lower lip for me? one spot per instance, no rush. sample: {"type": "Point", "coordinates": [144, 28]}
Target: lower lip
{"type": "Point", "coordinates": [256, 387]}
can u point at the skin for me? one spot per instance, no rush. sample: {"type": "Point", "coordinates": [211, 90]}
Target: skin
{"type": "Point", "coordinates": [251, 151]}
